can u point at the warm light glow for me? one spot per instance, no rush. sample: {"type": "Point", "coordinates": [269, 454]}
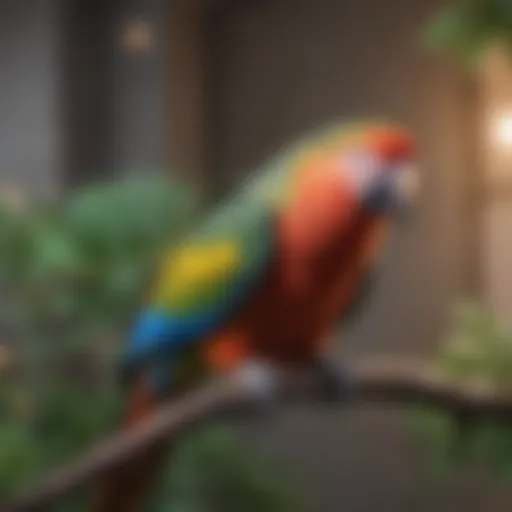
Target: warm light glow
{"type": "Point", "coordinates": [137, 36]}
{"type": "Point", "coordinates": [503, 130]}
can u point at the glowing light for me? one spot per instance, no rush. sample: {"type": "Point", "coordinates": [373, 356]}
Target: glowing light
{"type": "Point", "coordinates": [137, 36]}
{"type": "Point", "coordinates": [503, 129]}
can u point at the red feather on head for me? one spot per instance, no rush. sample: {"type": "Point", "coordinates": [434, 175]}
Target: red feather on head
{"type": "Point", "coordinates": [393, 143]}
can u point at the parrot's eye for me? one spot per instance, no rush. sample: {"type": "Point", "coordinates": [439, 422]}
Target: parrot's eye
{"type": "Point", "coordinates": [363, 168]}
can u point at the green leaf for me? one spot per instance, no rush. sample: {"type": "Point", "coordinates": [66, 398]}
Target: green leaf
{"type": "Point", "coordinates": [465, 30]}
{"type": "Point", "coordinates": [447, 30]}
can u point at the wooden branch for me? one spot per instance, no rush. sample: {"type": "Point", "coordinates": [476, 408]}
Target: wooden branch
{"type": "Point", "coordinates": [391, 380]}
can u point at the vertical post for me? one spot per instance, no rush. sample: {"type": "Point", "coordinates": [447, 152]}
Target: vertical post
{"type": "Point", "coordinates": [85, 88]}
{"type": "Point", "coordinates": [189, 82]}
{"type": "Point", "coordinates": [30, 125]}
{"type": "Point", "coordinates": [496, 86]}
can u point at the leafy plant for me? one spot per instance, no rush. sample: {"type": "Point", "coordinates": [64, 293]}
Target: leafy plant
{"type": "Point", "coordinates": [73, 272]}
{"type": "Point", "coordinates": [478, 350]}
{"type": "Point", "coordinates": [466, 28]}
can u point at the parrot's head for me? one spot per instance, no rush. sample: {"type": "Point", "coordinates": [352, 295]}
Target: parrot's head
{"type": "Point", "coordinates": [378, 162]}
{"type": "Point", "coordinates": [374, 163]}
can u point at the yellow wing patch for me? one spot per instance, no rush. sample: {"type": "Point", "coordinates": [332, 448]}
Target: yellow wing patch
{"type": "Point", "coordinates": [195, 266]}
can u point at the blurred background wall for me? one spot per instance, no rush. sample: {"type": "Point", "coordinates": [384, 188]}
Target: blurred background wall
{"type": "Point", "coordinates": [89, 87]}
{"type": "Point", "coordinates": [30, 131]}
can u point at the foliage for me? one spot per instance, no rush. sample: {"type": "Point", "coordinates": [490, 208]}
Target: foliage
{"type": "Point", "coordinates": [478, 349]}
{"type": "Point", "coordinates": [73, 272]}
{"type": "Point", "coordinates": [215, 471]}
{"type": "Point", "coordinates": [466, 28]}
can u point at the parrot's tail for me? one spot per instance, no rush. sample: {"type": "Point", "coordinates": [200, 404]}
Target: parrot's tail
{"type": "Point", "coordinates": [127, 489]}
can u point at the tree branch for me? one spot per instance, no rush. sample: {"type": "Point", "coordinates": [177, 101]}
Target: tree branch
{"type": "Point", "coordinates": [389, 380]}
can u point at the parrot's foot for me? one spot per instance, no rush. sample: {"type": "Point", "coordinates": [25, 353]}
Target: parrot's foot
{"type": "Point", "coordinates": [335, 382]}
{"type": "Point", "coordinates": [262, 380]}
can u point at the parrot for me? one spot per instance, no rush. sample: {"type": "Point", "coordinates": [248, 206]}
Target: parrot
{"type": "Point", "coordinates": [265, 279]}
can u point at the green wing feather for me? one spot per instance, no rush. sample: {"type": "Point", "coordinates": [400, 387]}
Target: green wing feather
{"type": "Point", "coordinates": [224, 256]}
{"type": "Point", "coordinates": [228, 252]}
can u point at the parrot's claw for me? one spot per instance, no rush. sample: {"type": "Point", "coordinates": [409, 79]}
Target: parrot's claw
{"type": "Point", "coordinates": [263, 382]}
{"type": "Point", "coordinates": [335, 382]}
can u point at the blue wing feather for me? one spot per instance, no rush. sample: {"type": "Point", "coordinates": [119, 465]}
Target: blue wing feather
{"type": "Point", "coordinates": [158, 332]}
